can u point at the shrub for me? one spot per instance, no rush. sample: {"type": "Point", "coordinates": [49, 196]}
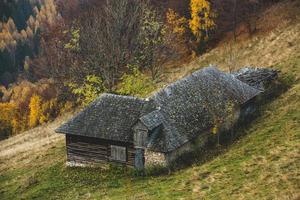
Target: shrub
{"type": "Point", "coordinates": [87, 92]}
{"type": "Point", "coordinates": [136, 83]}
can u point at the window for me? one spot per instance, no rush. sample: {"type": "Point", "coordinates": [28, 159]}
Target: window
{"type": "Point", "coordinates": [118, 153]}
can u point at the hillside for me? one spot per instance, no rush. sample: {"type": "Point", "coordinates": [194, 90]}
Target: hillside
{"type": "Point", "coordinates": [263, 164]}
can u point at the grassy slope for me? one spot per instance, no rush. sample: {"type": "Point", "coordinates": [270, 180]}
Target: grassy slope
{"type": "Point", "coordinates": [262, 165]}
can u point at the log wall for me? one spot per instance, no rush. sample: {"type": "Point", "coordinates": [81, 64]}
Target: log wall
{"type": "Point", "coordinates": [86, 150]}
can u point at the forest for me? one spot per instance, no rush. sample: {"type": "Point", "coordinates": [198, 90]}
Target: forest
{"type": "Point", "coordinates": [56, 56]}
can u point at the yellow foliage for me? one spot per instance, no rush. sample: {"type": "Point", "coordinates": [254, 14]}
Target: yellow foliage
{"type": "Point", "coordinates": [8, 111]}
{"type": "Point", "coordinates": [35, 110]}
{"type": "Point", "coordinates": [48, 109]}
{"type": "Point", "coordinates": [73, 44]}
{"type": "Point", "coordinates": [136, 84]}
{"type": "Point", "coordinates": [176, 32]}
{"type": "Point", "coordinates": [215, 130]}
{"type": "Point", "coordinates": [10, 119]}
{"type": "Point", "coordinates": [176, 23]}
{"type": "Point", "coordinates": [21, 94]}
{"type": "Point", "coordinates": [88, 91]}
{"type": "Point", "coordinates": [66, 107]}
{"type": "Point", "coordinates": [202, 17]}
{"type": "Point", "coordinates": [30, 104]}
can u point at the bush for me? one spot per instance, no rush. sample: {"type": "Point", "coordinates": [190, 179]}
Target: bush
{"type": "Point", "coordinates": [136, 83]}
{"type": "Point", "coordinates": [87, 92]}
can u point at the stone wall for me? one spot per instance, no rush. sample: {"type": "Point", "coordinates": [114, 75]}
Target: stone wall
{"type": "Point", "coordinates": [154, 158]}
{"type": "Point", "coordinates": [77, 164]}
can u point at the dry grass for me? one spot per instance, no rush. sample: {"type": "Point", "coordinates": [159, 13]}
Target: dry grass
{"type": "Point", "coordinates": [277, 39]}
{"type": "Point", "coordinates": [22, 149]}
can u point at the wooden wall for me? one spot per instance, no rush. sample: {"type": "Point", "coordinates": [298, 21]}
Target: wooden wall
{"type": "Point", "coordinates": [89, 150]}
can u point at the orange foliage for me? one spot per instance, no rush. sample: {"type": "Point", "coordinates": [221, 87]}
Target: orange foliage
{"type": "Point", "coordinates": [30, 104]}
{"type": "Point", "coordinates": [176, 23]}
{"type": "Point", "coordinates": [202, 17]}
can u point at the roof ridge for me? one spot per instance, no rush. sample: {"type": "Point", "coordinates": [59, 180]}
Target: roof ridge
{"type": "Point", "coordinates": [120, 96]}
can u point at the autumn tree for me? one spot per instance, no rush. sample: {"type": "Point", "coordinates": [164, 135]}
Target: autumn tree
{"type": "Point", "coordinates": [8, 113]}
{"type": "Point", "coordinates": [19, 31]}
{"type": "Point", "coordinates": [35, 110]}
{"type": "Point", "coordinates": [202, 18]}
{"type": "Point", "coordinates": [177, 32]}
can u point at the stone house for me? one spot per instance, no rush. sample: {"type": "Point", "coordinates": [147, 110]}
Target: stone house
{"type": "Point", "coordinates": [157, 130]}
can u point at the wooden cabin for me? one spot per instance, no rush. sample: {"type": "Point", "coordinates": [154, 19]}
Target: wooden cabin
{"type": "Point", "coordinates": [156, 131]}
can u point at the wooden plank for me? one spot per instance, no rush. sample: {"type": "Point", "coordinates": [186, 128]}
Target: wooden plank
{"type": "Point", "coordinates": [96, 159]}
{"type": "Point", "coordinates": [87, 149]}
{"type": "Point", "coordinates": [87, 156]}
{"type": "Point", "coordinates": [90, 144]}
{"type": "Point", "coordinates": [93, 150]}
{"type": "Point", "coordinates": [87, 145]}
{"type": "Point", "coordinates": [86, 153]}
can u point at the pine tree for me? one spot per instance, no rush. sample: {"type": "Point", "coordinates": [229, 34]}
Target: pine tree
{"type": "Point", "coordinates": [11, 25]}
{"type": "Point", "coordinates": [29, 33]}
{"type": "Point", "coordinates": [31, 22]}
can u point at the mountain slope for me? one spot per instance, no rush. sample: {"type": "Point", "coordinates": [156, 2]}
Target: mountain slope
{"type": "Point", "coordinates": [263, 164]}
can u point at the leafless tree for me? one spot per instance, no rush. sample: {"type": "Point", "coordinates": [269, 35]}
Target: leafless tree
{"type": "Point", "coordinates": [108, 37]}
{"type": "Point", "coordinates": [154, 45]}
